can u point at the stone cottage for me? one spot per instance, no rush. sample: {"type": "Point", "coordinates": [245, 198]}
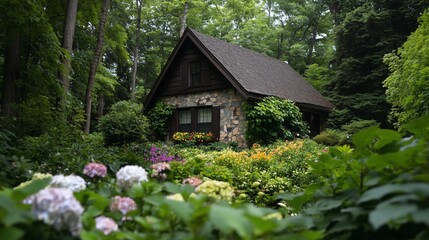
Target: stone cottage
{"type": "Point", "coordinates": [208, 80]}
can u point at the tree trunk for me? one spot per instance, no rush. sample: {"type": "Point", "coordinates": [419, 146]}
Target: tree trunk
{"type": "Point", "coordinates": [136, 50]}
{"type": "Point", "coordinates": [10, 76]}
{"type": "Point", "coordinates": [94, 64]}
{"type": "Point", "coordinates": [183, 19]}
{"type": "Point", "coordinates": [67, 44]}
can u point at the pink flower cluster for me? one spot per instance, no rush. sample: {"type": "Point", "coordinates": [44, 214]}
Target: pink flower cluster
{"type": "Point", "coordinates": [57, 207]}
{"type": "Point", "coordinates": [105, 224]}
{"type": "Point", "coordinates": [95, 170]}
{"type": "Point", "coordinates": [193, 181]}
{"type": "Point", "coordinates": [123, 205]}
{"type": "Point", "coordinates": [159, 170]}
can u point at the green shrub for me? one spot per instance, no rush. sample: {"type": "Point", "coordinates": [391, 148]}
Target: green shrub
{"type": "Point", "coordinates": [123, 124]}
{"type": "Point", "coordinates": [158, 119]}
{"type": "Point", "coordinates": [273, 118]}
{"type": "Point", "coordinates": [357, 125]}
{"type": "Point", "coordinates": [380, 190]}
{"type": "Point", "coordinates": [331, 137]}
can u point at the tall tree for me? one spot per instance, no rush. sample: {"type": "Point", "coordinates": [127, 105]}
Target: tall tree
{"type": "Point", "coordinates": [67, 43]}
{"type": "Point", "coordinates": [408, 85]}
{"type": "Point", "coordinates": [365, 36]}
{"type": "Point", "coordinates": [94, 63]}
{"type": "Point", "coordinates": [136, 50]}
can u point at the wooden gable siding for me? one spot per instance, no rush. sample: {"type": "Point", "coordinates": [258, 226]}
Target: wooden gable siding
{"type": "Point", "coordinates": [176, 82]}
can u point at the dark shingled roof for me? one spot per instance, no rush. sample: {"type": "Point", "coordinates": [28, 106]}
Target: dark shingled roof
{"type": "Point", "coordinates": [260, 74]}
{"type": "Point", "coordinates": [255, 75]}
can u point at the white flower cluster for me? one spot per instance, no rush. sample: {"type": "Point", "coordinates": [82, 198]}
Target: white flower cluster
{"type": "Point", "coordinates": [216, 189]}
{"type": "Point", "coordinates": [105, 224]}
{"type": "Point", "coordinates": [175, 197]}
{"type": "Point", "coordinates": [129, 175]}
{"type": "Point", "coordinates": [72, 182]}
{"type": "Point", "coordinates": [57, 207]}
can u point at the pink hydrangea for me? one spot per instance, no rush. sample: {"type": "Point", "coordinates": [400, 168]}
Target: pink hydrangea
{"type": "Point", "coordinates": [159, 170]}
{"type": "Point", "coordinates": [123, 204]}
{"type": "Point", "coordinates": [57, 207]}
{"type": "Point", "coordinates": [95, 170]}
{"type": "Point", "coordinates": [193, 181]}
{"type": "Point", "coordinates": [105, 224]}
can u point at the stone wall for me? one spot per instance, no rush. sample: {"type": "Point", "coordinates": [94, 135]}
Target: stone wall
{"type": "Point", "coordinates": [230, 101]}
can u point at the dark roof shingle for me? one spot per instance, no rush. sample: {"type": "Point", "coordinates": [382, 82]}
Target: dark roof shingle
{"type": "Point", "coordinates": [260, 74]}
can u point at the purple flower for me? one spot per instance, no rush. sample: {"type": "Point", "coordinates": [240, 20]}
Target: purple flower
{"type": "Point", "coordinates": [105, 224]}
{"type": "Point", "coordinates": [95, 170]}
{"type": "Point", "coordinates": [123, 205]}
{"type": "Point", "coordinates": [159, 155]}
{"type": "Point", "coordinates": [57, 207]}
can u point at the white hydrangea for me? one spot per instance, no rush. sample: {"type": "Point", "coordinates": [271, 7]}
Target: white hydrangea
{"type": "Point", "coordinates": [129, 175]}
{"type": "Point", "coordinates": [217, 189]}
{"type": "Point", "coordinates": [72, 182]}
{"type": "Point", "coordinates": [57, 207]}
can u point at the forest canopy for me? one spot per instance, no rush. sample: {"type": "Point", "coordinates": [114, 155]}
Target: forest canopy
{"type": "Point", "coordinates": [65, 63]}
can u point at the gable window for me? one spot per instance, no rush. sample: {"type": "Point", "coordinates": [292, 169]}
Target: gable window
{"type": "Point", "coordinates": [194, 73]}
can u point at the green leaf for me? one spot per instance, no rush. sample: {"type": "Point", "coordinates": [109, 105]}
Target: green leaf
{"type": "Point", "coordinates": [328, 204]}
{"type": "Point", "coordinates": [365, 137]}
{"type": "Point", "coordinates": [35, 186]}
{"type": "Point", "coordinates": [298, 222]}
{"type": "Point", "coordinates": [183, 210]}
{"type": "Point", "coordinates": [11, 233]}
{"type": "Point", "coordinates": [386, 213]}
{"type": "Point", "coordinates": [421, 216]}
{"type": "Point", "coordinates": [420, 126]}
{"type": "Point", "coordinates": [228, 219]}
{"type": "Point", "coordinates": [379, 192]}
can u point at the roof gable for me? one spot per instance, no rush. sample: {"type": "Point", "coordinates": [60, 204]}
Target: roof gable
{"type": "Point", "coordinates": [253, 74]}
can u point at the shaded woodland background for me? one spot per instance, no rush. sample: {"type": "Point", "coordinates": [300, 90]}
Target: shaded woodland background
{"type": "Point", "coordinates": [64, 63]}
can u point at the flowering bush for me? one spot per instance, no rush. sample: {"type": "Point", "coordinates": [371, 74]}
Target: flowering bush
{"type": "Point", "coordinates": [193, 181]}
{"type": "Point", "coordinates": [217, 190]}
{"type": "Point", "coordinates": [160, 170]}
{"type": "Point", "coordinates": [129, 175]}
{"type": "Point", "coordinates": [72, 182]}
{"type": "Point", "coordinates": [198, 137]}
{"type": "Point", "coordinates": [105, 224]}
{"type": "Point", "coordinates": [160, 155]}
{"type": "Point", "coordinates": [123, 205]}
{"type": "Point", "coordinates": [57, 207]}
{"type": "Point", "coordinates": [95, 170]}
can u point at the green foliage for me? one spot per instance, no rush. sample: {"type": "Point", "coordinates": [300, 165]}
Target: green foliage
{"type": "Point", "coordinates": [123, 124]}
{"type": "Point", "coordinates": [379, 190]}
{"type": "Point", "coordinates": [317, 76]}
{"type": "Point", "coordinates": [158, 118]}
{"type": "Point", "coordinates": [273, 118]}
{"type": "Point", "coordinates": [364, 37]}
{"type": "Point", "coordinates": [331, 137]}
{"type": "Point", "coordinates": [356, 126]}
{"type": "Point", "coordinates": [408, 85]}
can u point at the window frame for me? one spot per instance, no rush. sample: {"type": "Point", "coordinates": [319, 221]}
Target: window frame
{"type": "Point", "coordinates": [191, 74]}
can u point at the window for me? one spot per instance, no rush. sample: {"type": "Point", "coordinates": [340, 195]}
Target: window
{"type": "Point", "coordinates": [204, 120]}
{"type": "Point", "coordinates": [194, 73]}
{"type": "Point", "coordinates": [196, 119]}
{"type": "Point", "coordinates": [185, 123]}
